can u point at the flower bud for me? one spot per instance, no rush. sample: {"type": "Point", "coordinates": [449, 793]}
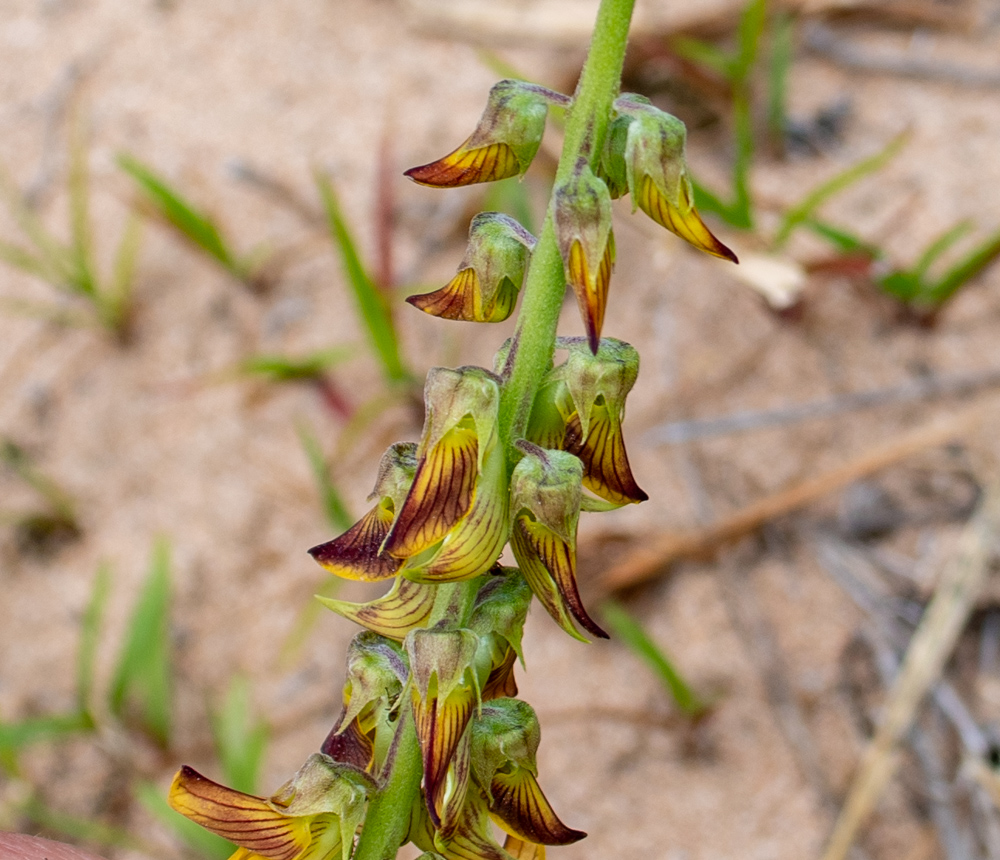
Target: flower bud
{"type": "Point", "coordinates": [657, 173]}
{"type": "Point", "coordinates": [357, 553]}
{"type": "Point", "coordinates": [376, 672]}
{"type": "Point", "coordinates": [503, 144]}
{"type": "Point", "coordinates": [505, 741]}
{"type": "Point", "coordinates": [545, 500]}
{"type": "Point", "coordinates": [489, 276]}
{"type": "Point", "coordinates": [498, 616]}
{"type": "Point", "coordinates": [453, 522]}
{"type": "Point", "coordinates": [580, 408]}
{"type": "Point", "coordinates": [581, 213]}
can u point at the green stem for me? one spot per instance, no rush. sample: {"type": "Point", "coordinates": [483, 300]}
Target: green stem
{"type": "Point", "coordinates": [388, 818]}
{"type": "Point", "coordinates": [586, 125]}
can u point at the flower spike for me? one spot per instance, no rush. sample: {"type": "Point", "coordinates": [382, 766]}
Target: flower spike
{"type": "Point", "coordinates": [489, 276]}
{"type": "Point", "coordinates": [545, 491]}
{"type": "Point", "coordinates": [581, 212]}
{"type": "Point", "coordinates": [313, 816]}
{"type": "Point", "coordinates": [657, 173]}
{"type": "Point", "coordinates": [505, 140]}
{"type": "Point", "coordinates": [357, 553]}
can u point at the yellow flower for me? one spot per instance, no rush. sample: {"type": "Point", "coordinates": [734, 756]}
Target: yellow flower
{"type": "Point", "coordinates": [313, 816]}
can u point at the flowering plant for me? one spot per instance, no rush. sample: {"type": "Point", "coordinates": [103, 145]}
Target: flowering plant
{"type": "Point", "coordinates": [432, 744]}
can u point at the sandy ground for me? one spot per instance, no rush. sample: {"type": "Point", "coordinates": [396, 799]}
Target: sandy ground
{"type": "Point", "coordinates": [150, 441]}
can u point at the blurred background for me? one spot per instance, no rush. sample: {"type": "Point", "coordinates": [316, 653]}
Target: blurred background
{"type": "Point", "coordinates": [205, 242]}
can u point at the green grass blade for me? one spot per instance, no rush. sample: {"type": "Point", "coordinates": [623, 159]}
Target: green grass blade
{"type": "Point", "coordinates": [707, 201]}
{"type": "Point", "coordinates": [283, 368]}
{"type": "Point", "coordinates": [196, 837]}
{"type": "Point", "coordinates": [240, 739]}
{"type": "Point", "coordinates": [806, 208]}
{"type": "Point", "coordinates": [58, 500]}
{"type": "Point", "coordinates": [90, 635]}
{"type": "Point", "coordinates": [15, 736]}
{"type": "Point", "coordinates": [18, 258]}
{"type": "Point", "coordinates": [57, 259]}
{"type": "Point", "coordinates": [703, 54]}
{"type": "Point", "coordinates": [843, 241]}
{"type": "Point", "coordinates": [625, 627]}
{"type": "Point", "coordinates": [371, 304]}
{"type": "Point", "coordinates": [140, 688]}
{"type": "Point", "coordinates": [170, 205]}
{"type": "Point", "coordinates": [959, 275]}
{"type": "Point", "coordinates": [81, 240]}
{"type": "Point", "coordinates": [741, 212]}
{"type": "Point", "coordinates": [116, 299]}
{"type": "Point", "coordinates": [941, 244]}
{"type": "Point", "coordinates": [777, 77]}
{"type": "Point", "coordinates": [337, 514]}
{"type": "Point", "coordinates": [751, 27]}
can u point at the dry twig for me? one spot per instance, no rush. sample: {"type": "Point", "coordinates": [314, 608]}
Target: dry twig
{"type": "Point", "coordinates": [929, 648]}
{"type": "Point", "coordinates": [646, 562]}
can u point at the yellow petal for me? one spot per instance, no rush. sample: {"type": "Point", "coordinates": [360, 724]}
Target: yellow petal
{"type": "Point", "coordinates": [440, 496]}
{"type": "Point", "coordinates": [441, 727]}
{"type": "Point", "coordinates": [357, 553]}
{"type": "Point", "coordinates": [520, 807]}
{"type": "Point", "coordinates": [682, 220]}
{"type": "Point", "coordinates": [591, 288]}
{"type": "Point", "coordinates": [248, 821]}
{"type": "Point", "coordinates": [467, 166]}
{"type": "Point", "coordinates": [501, 682]}
{"type": "Point", "coordinates": [606, 469]}
{"type": "Point", "coordinates": [546, 559]}
{"type": "Point", "coordinates": [472, 547]}
{"type": "Point", "coordinates": [407, 606]}
{"type": "Point", "coordinates": [456, 300]}
{"type": "Point", "coordinates": [521, 850]}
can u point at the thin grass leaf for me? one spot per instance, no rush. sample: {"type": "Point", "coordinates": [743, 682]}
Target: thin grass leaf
{"type": "Point", "coordinates": [56, 258]}
{"type": "Point", "coordinates": [240, 738]}
{"type": "Point", "coordinates": [283, 368]}
{"type": "Point", "coordinates": [140, 688]}
{"type": "Point", "coordinates": [806, 208]}
{"type": "Point", "coordinates": [703, 54]}
{"type": "Point", "coordinates": [959, 275]}
{"type": "Point", "coordinates": [81, 250]}
{"type": "Point", "coordinates": [337, 514]}
{"type": "Point", "coordinates": [751, 27]}
{"type": "Point", "coordinates": [183, 215]}
{"type": "Point", "coordinates": [939, 246]}
{"type": "Point", "coordinates": [843, 241]}
{"type": "Point", "coordinates": [371, 303]}
{"type": "Point", "coordinates": [15, 736]}
{"type": "Point", "coordinates": [623, 625]}
{"type": "Point", "coordinates": [117, 297]}
{"type": "Point", "coordinates": [59, 502]}
{"type": "Point", "coordinates": [741, 210]}
{"type": "Point", "coordinates": [18, 258]}
{"type": "Point", "coordinates": [90, 635]}
{"type": "Point", "coordinates": [782, 28]}
{"type": "Point", "coordinates": [196, 837]}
